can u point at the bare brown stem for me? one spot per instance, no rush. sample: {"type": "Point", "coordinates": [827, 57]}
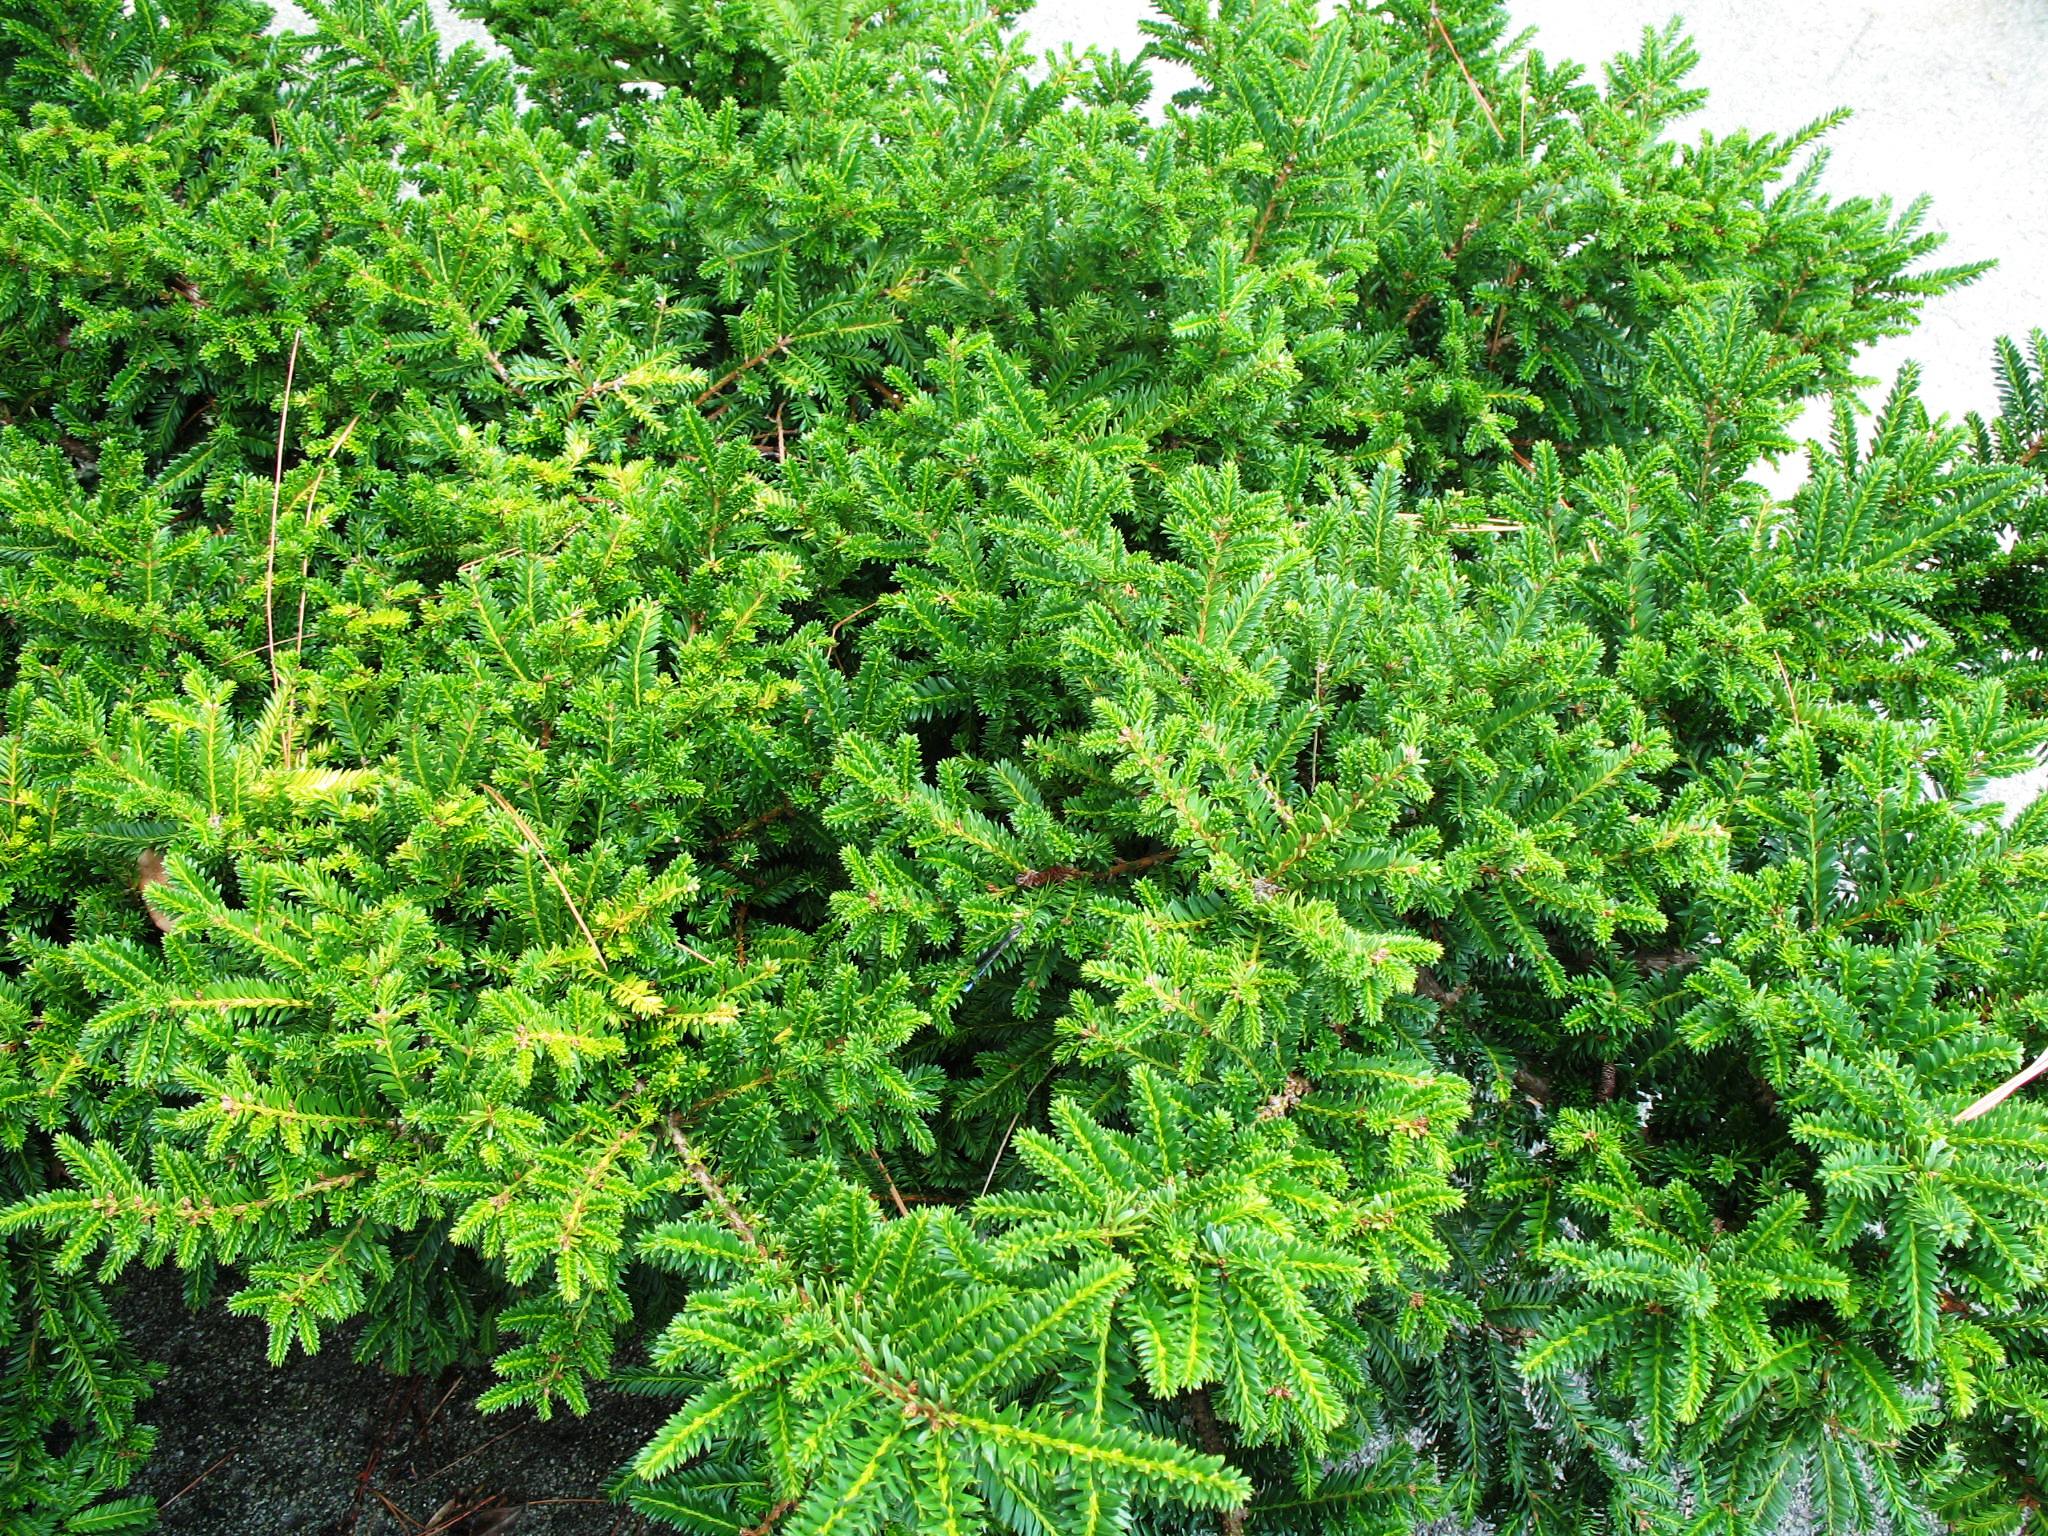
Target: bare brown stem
{"type": "Point", "coordinates": [284, 411]}
{"type": "Point", "coordinates": [2006, 1089]}
{"type": "Point", "coordinates": [1477, 94]}
{"type": "Point", "coordinates": [533, 842]}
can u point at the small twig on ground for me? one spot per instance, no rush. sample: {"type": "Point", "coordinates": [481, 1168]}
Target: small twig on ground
{"type": "Point", "coordinates": [428, 1477]}
{"type": "Point", "coordinates": [454, 1512]}
{"type": "Point", "coordinates": [428, 1423]}
{"type": "Point", "coordinates": [202, 1477]}
{"type": "Point", "coordinates": [395, 1408]}
{"type": "Point", "coordinates": [397, 1514]}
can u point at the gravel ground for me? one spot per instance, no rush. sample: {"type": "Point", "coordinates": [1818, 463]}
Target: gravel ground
{"type": "Point", "coordinates": [319, 1445]}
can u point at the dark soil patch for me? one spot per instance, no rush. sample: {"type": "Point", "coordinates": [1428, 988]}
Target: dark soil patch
{"type": "Point", "coordinates": [327, 1447]}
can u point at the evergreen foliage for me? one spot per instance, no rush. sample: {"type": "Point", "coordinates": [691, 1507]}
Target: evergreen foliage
{"type": "Point", "coordinates": [1120, 822]}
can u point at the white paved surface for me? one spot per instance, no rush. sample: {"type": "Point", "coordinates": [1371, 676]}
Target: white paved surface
{"type": "Point", "coordinates": [1949, 99]}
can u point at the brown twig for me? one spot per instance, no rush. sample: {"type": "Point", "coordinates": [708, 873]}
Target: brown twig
{"type": "Point", "coordinates": [1210, 1435]}
{"type": "Point", "coordinates": [446, 1519]}
{"type": "Point", "coordinates": [428, 1423]}
{"type": "Point", "coordinates": [1280, 180]}
{"type": "Point", "coordinates": [1477, 94]}
{"type": "Point", "coordinates": [1655, 962]}
{"type": "Point", "coordinates": [284, 411]}
{"type": "Point", "coordinates": [753, 824]}
{"type": "Point", "coordinates": [769, 1520]}
{"type": "Point", "coordinates": [1001, 1147]}
{"type": "Point", "coordinates": [547, 864]}
{"type": "Point", "coordinates": [1451, 255]}
{"type": "Point", "coordinates": [700, 1171]}
{"type": "Point", "coordinates": [306, 560]}
{"type": "Point", "coordinates": [475, 1450]}
{"type": "Point", "coordinates": [759, 1080]}
{"type": "Point", "coordinates": [1500, 314]}
{"type": "Point", "coordinates": [2006, 1089]}
{"type": "Point", "coordinates": [394, 1409]}
{"type": "Point", "coordinates": [202, 1477]}
{"type": "Point", "coordinates": [1004, 1146]}
{"type": "Point", "coordinates": [718, 387]}
{"type": "Point", "coordinates": [832, 640]}
{"type": "Point", "coordinates": [405, 1520]}
{"type": "Point", "coordinates": [1059, 874]}
{"type": "Point", "coordinates": [889, 1179]}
